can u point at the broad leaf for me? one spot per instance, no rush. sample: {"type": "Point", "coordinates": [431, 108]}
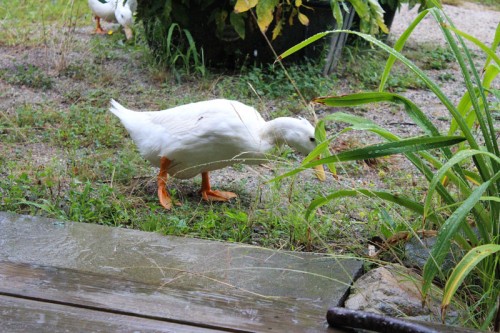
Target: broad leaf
{"type": "Point", "coordinates": [244, 5]}
{"type": "Point", "coordinates": [238, 23]}
{"type": "Point", "coordinates": [265, 10]}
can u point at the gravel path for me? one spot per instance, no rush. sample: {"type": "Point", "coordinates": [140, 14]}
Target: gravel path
{"type": "Point", "coordinates": [472, 18]}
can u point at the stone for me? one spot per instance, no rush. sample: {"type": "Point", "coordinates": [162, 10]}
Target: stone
{"type": "Point", "coordinates": [395, 291]}
{"type": "Point", "coordinates": [417, 251]}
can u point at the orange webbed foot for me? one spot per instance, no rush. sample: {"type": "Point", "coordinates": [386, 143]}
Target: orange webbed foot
{"type": "Point", "coordinates": [164, 197]}
{"type": "Point", "coordinates": [211, 195]}
{"type": "Point", "coordinates": [208, 194]}
{"type": "Point", "coordinates": [99, 30]}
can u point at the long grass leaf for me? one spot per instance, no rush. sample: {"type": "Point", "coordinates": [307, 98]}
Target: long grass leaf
{"type": "Point", "coordinates": [303, 44]}
{"type": "Point", "coordinates": [390, 148]}
{"type": "Point", "coordinates": [320, 135]}
{"type": "Point", "coordinates": [375, 97]}
{"type": "Point", "coordinates": [398, 46]}
{"type": "Point", "coordinates": [379, 150]}
{"type": "Point", "coordinates": [463, 268]}
{"type": "Point", "coordinates": [490, 52]}
{"type": "Point", "coordinates": [489, 140]}
{"type": "Point", "coordinates": [465, 104]}
{"type": "Point", "coordinates": [431, 84]}
{"type": "Point", "coordinates": [386, 196]}
{"type": "Point", "coordinates": [456, 159]}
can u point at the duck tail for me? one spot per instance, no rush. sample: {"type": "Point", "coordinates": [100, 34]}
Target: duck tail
{"type": "Point", "coordinates": [118, 109]}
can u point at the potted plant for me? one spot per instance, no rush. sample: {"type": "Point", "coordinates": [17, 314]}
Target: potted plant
{"type": "Point", "coordinates": [232, 31]}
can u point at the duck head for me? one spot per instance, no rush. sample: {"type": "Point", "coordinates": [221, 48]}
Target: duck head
{"type": "Point", "coordinates": [298, 134]}
{"type": "Point", "coordinates": [124, 16]}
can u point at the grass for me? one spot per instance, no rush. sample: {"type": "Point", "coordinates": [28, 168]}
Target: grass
{"type": "Point", "coordinates": [70, 158]}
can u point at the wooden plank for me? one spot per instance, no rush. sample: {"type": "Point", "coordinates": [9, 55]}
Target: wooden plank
{"type": "Point", "coordinates": [23, 315]}
{"type": "Point", "coordinates": [109, 294]}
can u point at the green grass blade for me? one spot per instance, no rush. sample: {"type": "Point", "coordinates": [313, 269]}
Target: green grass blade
{"type": "Point", "coordinates": [465, 104]}
{"type": "Point", "coordinates": [411, 109]}
{"type": "Point", "coordinates": [398, 46]}
{"type": "Point", "coordinates": [303, 44]}
{"type": "Point", "coordinates": [386, 196]}
{"type": "Point", "coordinates": [448, 231]}
{"type": "Point", "coordinates": [390, 148]}
{"type": "Point", "coordinates": [490, 52]}
{"type": "Point", "coordinates": [431, 84]}
{"type": "Point", "coordinates": [494, 45]}
{"type": "Point", "coordinates": [379, 150]}
{"type": "Point", "coordinates": [456, 159]}
{"type": "Point", "coordinates": [464, 267]}
{"type": "Point", "coordinates": [489, 138]}
{"type": "Point", "coordinates": [320, 135]}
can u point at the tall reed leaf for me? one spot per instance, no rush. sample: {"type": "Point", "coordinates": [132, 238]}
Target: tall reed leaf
{"type": "Point", "coordinates": [464, 190]}
{"type": "Point", "coordinates": [448, 231]}
{"type": "Point", "coordinates": [379, 150]}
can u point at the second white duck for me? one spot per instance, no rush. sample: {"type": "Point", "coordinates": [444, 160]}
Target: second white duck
{"type": "Point", "coordinates": [120, 11]}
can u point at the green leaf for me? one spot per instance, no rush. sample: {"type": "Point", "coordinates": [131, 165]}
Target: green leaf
{"type": "Point", "coordinates": [386, 196]}
{"type": "Point", "coordinates": [465, 104]}
{"type": "Point", "coordinates": [265, 10]}
{"type": "Point", "coordinates": [376, 97]}
{"type": "Point", "coordinates": [464, 267]}
{"type": "Point", "coordinates": [491, 53]}
{"type": "Point", "coordinates": [448, 231]}
{"type": "Point", "coordinates": [391, 148]}
{"type": "Point", "coordinates": [379, 150]}
{"type": "Point", "coordinates": [320, 135]}
{"type": "Point", "coordinates": [361, 8]}
{"type": "Point", "coordinates": [337, 13]}
{"type": "Point", "coordinates": [456, 159]}
{"type": "Point", "coordinates": [302, 44]}
{"type": "Point", "coordinates": [244, 5]}
{"type": "Point", "coordinates": [238, 23]}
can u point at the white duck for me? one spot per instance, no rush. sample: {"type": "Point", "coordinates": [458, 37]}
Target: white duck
{"type": "Point", "coordinates": [201, 137]}
{"type": "Point", "coordinates": [120, 11]}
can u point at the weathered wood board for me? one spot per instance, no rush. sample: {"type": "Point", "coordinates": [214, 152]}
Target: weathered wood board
{"type": "Point", "coordinates": [126, 274]}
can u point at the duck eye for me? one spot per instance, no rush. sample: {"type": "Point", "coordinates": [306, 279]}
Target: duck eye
{"type": "Point", "coordinates": [312, 139]}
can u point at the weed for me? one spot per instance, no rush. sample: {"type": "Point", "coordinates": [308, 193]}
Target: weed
{"type": "Point", "coordinates": [178, 51]}
{"type": "Point", "coordinates": [363, 66]}
{"type": "Point", "coordinates": [27, 75]}
{"type": "Point", "coordinates": [435, 58]}
{"type": "Point", "coordinates": [272, 81]}
{"type": "Point", "coordinates": [445, 77]}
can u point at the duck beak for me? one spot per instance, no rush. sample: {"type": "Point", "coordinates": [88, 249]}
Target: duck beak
{"type": "Point", "coordinates": [319, 171]}
{"type": "Point", "coordinates": [128, 32]}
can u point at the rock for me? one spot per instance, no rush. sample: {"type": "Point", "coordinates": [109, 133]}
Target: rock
{"type": "Point", "coordinates": [417, 252]}
{"type": "Point", "coordinates": [394, 291]}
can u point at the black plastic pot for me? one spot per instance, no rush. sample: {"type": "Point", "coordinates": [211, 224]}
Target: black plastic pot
{"type": "Point", "coordinates": [228, 49]}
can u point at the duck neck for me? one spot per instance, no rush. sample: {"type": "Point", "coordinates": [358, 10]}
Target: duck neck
{"type": "Point", "coordinates": [277, 131]}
